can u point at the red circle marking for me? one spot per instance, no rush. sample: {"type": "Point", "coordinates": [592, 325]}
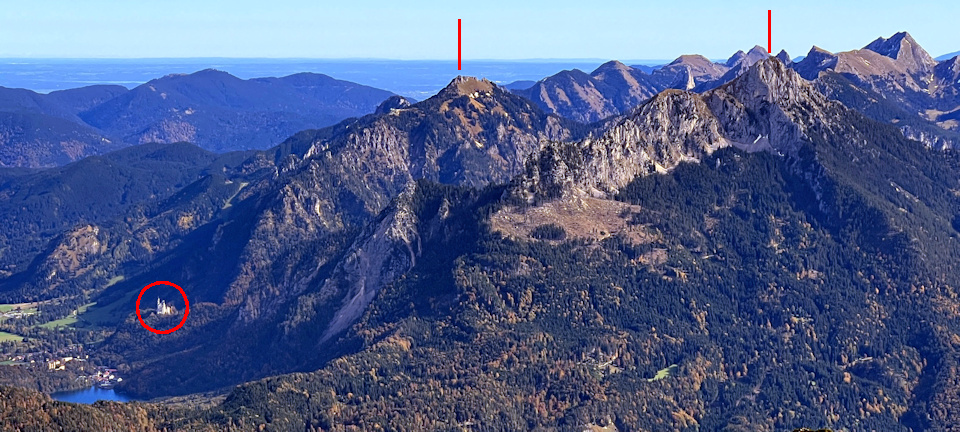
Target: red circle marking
{"type": "Point", "coordinates": [186, 307]}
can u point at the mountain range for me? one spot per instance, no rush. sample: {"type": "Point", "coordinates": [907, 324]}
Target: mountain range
{"type": "Point", "coordinates": [891, 80]}
{"type": "Point", "coordinates": [614, 88]}
{"type": "Point", "coordinates": [753, 245]}
{"type": "Point", "coordinates": [210, 108]}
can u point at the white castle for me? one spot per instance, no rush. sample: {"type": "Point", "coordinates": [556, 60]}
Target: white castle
{"type": "Point", "coordinates": [164, 309]}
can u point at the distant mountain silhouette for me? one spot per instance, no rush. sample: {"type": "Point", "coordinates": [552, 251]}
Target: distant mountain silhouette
{"type": "Point", "coordinates": [221, 112]}
{"type": "Point", "coordinates": [615, 88]}
{"type": "Point", "coordinates": [947, 56]}
{"type": "Point", "coordinates": [213, 109]}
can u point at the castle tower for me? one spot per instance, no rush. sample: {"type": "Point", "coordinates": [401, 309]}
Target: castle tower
{"type": "Point", "coordinates": [163, 308]}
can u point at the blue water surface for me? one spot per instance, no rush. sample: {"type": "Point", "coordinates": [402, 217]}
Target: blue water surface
{"type": "Point", "coordinates": [90, 395]}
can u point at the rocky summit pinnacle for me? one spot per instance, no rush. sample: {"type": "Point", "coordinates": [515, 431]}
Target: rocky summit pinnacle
{"type": "Point", "coordinates": [392, 103]}
{"type": "Point", "coordinates": [759, 110]}
{"type": "Point", "coordinates": [784, 57]}
{"type": "Point", "coordinates": [901, 45]}
{"type": "Point", "coordinates": [467, 85]}
{"type": "Point", "coordinates": [817, 60]}
{"type": "Point", "coordinates": [735, 58]}
{"type": "Point", "coordinates": [770, 80]}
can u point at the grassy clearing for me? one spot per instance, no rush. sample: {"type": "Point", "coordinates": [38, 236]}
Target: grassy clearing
{"type": "Point", "coordinates": [664, 373]}
{"type": "Point", "coordinates": [62, 322]}
{"type": "Point", "coordinates": [94, 315]}
{"type": "Point", "coordinates": [114, 280]}
{"type": "Point", "coordinates": [70, 320]}
{"type": "Point", "coordinates": [7, 337]}
{"type": "Point", "coordinates": [110, 313]}
{"type": "Point", "coordinates": [25, 307]}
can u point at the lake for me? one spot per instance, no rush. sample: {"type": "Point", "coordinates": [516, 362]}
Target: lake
{"type": "Point", "coordinates": [89, 395]}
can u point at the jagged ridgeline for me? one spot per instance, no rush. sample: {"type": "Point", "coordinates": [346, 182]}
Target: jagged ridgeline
{"type": "Point", "coordinates": [801, 285]}
{"type": "Point", "coordinates": [893, 80]}
{"type": "Point", "coordinates": [755, 257]}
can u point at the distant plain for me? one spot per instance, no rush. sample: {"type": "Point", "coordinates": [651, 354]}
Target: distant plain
{"type": "Point", "coordinates": [418, 79]}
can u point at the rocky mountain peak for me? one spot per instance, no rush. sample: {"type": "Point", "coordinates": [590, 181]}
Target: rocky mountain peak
{"type": "Point", "coordinates": [892, 47]}
{"type": "Point", "coordinates": [770, 79]}
{"type": "Point", "coordinates": [902, 47]}
{"type": "Point", "coordinates": [693, 60]}
{"type": "Point", "coordinates": [768, 108]}
{"type": "Point", "coordinates": [392, 103]}
{"type": "Point", "coordinates": [758, 50]}
{"type": "Point", "coordinates": [816, 51]}
{"type": "Point", "coordinates": [816, 60]}
{"type": "Point", "coordinates": [784, 57]}
{"type": "Point", "coordinates": [949, 68]}
{"type": "Point", "coordinates": [755, 54]}
{"type": "Point", "coordinates": [467, 85]}
{"type": "Point", "coordinates": [611, 66]}
{"type": "Point", "coordinates": [736, 58]}
{"type": "Point", "coordinates": [672, 127]}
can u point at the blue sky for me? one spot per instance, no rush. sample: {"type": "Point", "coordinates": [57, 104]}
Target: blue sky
{"type": "Point", "coordinates": [494, 29]}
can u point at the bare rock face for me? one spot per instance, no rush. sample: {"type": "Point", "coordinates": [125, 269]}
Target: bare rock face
{"type": "Point", "coordinates": [900, 74]}
{"type": "Point", "coordinates": [784, 58]}
{"type": "Point", "coordinates": [739, 64]}
{"type": "Point", "coordinates": [471, 133]}
{"type": "Point", "coordinates": [763, 109]}
{"type": "Point", "coordinates": [947, 75]}
{"type": "Point", "coordinates": [816, 61]}
{"type": "Point", "coordinates": [897, 66]}
{"type": "Point", "coordinates": [689, 71]}
{"type": "Point", "coordinates": [393, 103]}
{"type": "Point", "coordinates": [389, 249]}
{"type": "Point", "coordinates": [675, 126]}
{"type": "Point", "coordinates": [768, 107]}
{"type": "Point", "coordinates": [895, 63]}
{"type": "Point", "coordinates": [614, 88]}
{"type": "Point", "coordinates": [903, 47]}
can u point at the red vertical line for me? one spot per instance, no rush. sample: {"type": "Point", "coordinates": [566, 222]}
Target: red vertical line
{"type": "Point", "coordinates": [458, 44]}
{"type": "Point", "coordinates": [769, 31]}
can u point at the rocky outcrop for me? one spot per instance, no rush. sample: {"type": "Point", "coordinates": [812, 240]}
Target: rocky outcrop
{"type": "Point", "coordinates": [393, 103]}
{"type": "Point", "coordinates": [388, 249]}
{"type": "Point", "coordinates": [688, 71]}
{"type": "Point", "coordinates": [673, 127]}
{"type": "Point", "coordinates": [614, 88]}
{"type": "Point", "coordinates": [919, 92]}
{"type": "Point", "coordinates": [784, 58]}
{"type": "Point", "coordinates": [816, 61]}
{"type": "Point", "coordinates": [738, 64]}
{"type": "Point", "coordinates": [902, 47]}
{"type": "Point", "coordinates": [769, 107]}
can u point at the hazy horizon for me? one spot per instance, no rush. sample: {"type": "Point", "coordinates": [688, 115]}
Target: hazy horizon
{"type": "Point", "coordinates": [412, 78]}
{"type": "Point", "coordinates": [427, 30]}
